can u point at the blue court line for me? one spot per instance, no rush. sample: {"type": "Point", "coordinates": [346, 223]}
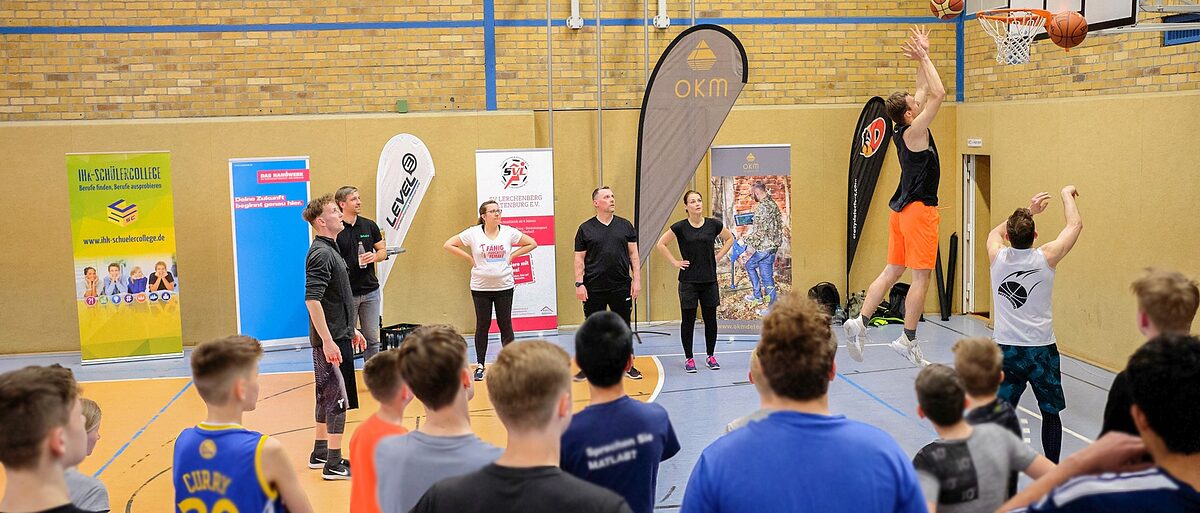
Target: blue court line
{"type": "Point", "coordinates": [824, 20]}
{"type": "Point", "coordinates": [251, 27]}
{"type": "Point", "coordinates": [489, 52]}
{"type": "Point", "coordinates": [609, 22]}
{"type": "Point", "coordinates": [140, 431]}
{"type": "Point", "coordinates": [959, 58]}
{"type": "Point", "coordinates": [489, 17]}
{"type": "Point", "coordinates": [885, 403]}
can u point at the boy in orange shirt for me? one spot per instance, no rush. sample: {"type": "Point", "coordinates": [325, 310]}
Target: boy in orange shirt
{"type": "Point", "coordinates": [382, 374]}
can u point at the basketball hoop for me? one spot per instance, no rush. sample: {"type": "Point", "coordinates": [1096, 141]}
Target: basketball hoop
{"type": "Point", "coordinates": [1013, 30]}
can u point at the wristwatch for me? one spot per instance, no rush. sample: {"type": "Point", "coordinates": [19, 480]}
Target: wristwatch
{"type": "Point", "coordinates": [578, 284]}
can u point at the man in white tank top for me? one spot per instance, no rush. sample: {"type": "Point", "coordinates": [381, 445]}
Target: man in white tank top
{"type": "Point", "coordinates": [1022, 293]}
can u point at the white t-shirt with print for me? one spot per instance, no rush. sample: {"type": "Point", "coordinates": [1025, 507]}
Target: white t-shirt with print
{"type": "Point", "coordinates": [492, 270]}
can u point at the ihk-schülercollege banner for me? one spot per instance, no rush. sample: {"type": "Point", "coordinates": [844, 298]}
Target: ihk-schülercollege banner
{"type": "Point", "coordinates": [123, 234]}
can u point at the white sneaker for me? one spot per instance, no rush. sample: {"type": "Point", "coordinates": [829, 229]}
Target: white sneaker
{"type": "Point", "coordinates": [910, 350]}
{"type": "Point", "coordinates": [856, 337]}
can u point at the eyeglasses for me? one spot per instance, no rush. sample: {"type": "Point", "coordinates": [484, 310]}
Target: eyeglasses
{"type": "Point", "coordinates": [495, 211]}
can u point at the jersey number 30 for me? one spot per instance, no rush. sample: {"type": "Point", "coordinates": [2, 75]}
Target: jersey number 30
{"type": "Point", "coordinates": [194, 505]}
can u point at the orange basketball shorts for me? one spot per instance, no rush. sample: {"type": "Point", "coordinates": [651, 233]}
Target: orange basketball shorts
{"type": "Point", "coordinates": [913, 236]}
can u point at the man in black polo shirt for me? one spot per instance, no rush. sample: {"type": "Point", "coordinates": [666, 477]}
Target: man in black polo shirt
{"type": "Point", "coordinates": [330, 306]}
{"type": "Point", "coordinates": [361, 245]}
{"type": "Point", "coordinates": [607, 268]}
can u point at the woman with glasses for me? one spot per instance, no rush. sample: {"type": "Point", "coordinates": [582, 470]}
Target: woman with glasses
{"type": "Point", "coordinates": [490, 248]}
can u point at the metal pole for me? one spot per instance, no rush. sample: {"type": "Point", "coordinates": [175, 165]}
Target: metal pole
{"type": "Point", "coordinates": [550, 73]}
{"type": "Point", "coordinates": [599, 102]}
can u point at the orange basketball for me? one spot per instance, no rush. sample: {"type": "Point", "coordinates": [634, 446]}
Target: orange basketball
{"type": "Point", "coordinates": [1067, 29]}
{"type": "Point", "coordinates": [946, 9]}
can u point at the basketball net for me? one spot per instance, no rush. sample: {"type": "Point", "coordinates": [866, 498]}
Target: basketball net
{"type": "Point", "coordinates": [1013, 30]}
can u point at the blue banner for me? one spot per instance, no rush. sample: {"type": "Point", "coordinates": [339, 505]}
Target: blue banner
{"type": "Point", "coordinates": [270, 241]}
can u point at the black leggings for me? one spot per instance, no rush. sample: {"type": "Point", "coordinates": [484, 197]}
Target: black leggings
{"type": "Point", "coordinates": [1052, 436]}
{"type": "Point", "coordinates": [687, 327]}
{"type": "Point", "coordinates": [484, 299]}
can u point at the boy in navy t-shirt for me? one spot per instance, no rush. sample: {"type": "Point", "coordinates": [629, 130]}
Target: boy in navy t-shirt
{"type": "Point", "coordinates": [616, 442]}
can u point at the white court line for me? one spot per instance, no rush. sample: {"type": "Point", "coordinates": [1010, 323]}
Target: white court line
{"type": "Point", "coordinates": [188, 377]}
{"type": "Point", "coordinates": [1065, 429]}
{"type": "Point", "coordinates": [751, 350]}
{"type": "Point", "coordinates": [662, 378]}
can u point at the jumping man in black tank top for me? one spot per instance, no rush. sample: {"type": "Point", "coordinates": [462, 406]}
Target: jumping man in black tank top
{"type": "Point", "coordinates": [913, 226]}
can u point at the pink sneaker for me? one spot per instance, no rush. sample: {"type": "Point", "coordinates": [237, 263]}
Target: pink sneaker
{"type": "Point", "coordinates": [690, 366]}
{"type": "Point", "coordinates": [712, 363]}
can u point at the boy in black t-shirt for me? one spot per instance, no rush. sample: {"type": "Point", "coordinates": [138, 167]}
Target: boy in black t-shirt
{"type": "Point", "coordinates": [607, 267]}
{"type": "Point", "coordinates": [530, 387]}
{"type": "Point", "coordinates": [1167, 302]}
{"type": "Point", "coordinates": [978, 362]}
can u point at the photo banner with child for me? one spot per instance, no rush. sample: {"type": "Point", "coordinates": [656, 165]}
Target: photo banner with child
{"type": "Point", "coordinates": [123, 235]}
{"type": "Point", "coordinates": [751, 195]}
{"type": "Point", "coordinates": [522, 182]}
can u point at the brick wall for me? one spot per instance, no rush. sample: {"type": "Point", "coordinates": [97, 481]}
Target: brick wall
{"type": "Point", "coordinates": [433, 56]}
{"type": "Point", "coordinates": [1102, 64]}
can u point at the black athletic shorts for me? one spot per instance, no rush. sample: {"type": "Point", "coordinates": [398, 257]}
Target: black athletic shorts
{"type": "Point", "coordinates": [705, 293]}
{"type": "Point", "coordinates": [336, 386]}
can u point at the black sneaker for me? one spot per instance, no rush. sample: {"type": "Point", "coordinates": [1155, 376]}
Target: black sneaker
{"type": "Point", "coordinates": [579, 376]}
{"type": "Point", "coordinates": [337, 472]}
{"type": "Point", "coordinates": [479, 373]}
{"type": "Point", "coordinates": [315, 460]}
{"type": "Point", "coordinates": [633, 373]}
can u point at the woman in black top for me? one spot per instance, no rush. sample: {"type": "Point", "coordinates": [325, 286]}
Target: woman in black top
{"type": "Point", "coordinates": [697, 273]}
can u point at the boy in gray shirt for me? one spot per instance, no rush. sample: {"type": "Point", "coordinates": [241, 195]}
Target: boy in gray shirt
{"type": "Point", "coordinates": [966, 469]}
{"type": "Point", "coordinates": [434, 365]}
{"type": "Point", "coordinates": [87, 493]}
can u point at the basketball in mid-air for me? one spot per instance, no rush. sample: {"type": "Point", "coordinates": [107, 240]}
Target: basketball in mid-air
{"type": "Point", "coordinates": [946, 9]}
{"type": "Point", "coordinates": [1067, 29]}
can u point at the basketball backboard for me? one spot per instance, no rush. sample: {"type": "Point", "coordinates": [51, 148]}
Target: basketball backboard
{"type": "Point", "coordinates": [1100, 14]}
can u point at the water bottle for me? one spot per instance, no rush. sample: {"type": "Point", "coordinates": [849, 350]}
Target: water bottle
{"type": "Point", "coordinates": [362, 249]}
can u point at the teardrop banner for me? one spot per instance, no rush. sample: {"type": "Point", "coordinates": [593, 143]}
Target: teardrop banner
{"type": "Point", "coordinates": [690, 93]}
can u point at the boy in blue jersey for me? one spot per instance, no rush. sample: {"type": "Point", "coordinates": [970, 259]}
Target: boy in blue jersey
{"type": "Point", "coordinates": [41, 434]}
{"type": "Point", "coordinates": [220, 465]}
{"type": "Point", "coordinates": [1164, 378]}
{"type": "Point", "coordinates": [802, 458]}
{"type": "Point", "coordinates": [616, 442]}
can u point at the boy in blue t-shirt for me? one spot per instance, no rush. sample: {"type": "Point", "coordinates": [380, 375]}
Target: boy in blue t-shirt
{"type": "Point", "coordinates": [801, 458]}
{"type": "Point", "coordinates": [616, 442]}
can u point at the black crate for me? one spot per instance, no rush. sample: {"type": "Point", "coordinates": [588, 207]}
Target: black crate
{"type": "Point", "coordinates": [392, 336]}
